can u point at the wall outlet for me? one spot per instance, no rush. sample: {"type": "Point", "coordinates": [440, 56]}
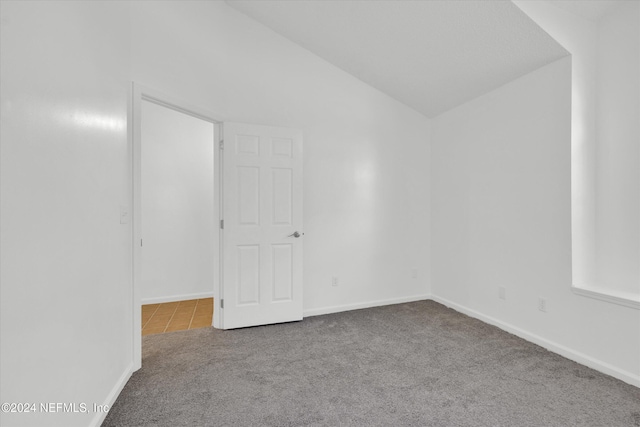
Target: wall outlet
{"type": "Point", "coordinates": [334, 281]}
{"type": "Point", "coordinates": [414, 273]}
{"type": "Point", "coordinates": [502, 292]}
{"type": "Point", "coordinates": [542, 304]}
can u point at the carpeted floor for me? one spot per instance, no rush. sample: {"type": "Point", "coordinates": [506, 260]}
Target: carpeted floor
{"type": "Point", "coordinates": [415, 364]}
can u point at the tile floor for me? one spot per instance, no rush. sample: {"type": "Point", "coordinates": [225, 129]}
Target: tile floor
{"type": "Point", "coordinates": [176, 316]}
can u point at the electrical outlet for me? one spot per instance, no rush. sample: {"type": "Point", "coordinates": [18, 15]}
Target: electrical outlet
{"type": "Point", "coordinates": [502, 293]}
{"type": "Point", "coordinates": [414, 273]}
{"type": "Point", "coordinates": [542, 304]}
{"type": "Point", "coordinates": [334, 281]}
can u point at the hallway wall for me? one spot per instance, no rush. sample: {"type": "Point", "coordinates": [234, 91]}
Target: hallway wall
{"type": "Point", "coordinates": [178, 224]}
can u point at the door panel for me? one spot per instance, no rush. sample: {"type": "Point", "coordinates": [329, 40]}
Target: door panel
{"type": "Point", "coordinates": [248, 291]}
{"type": "Point", "coordinates": [282, 183]}
{"type": "Point", "coordinates": [282, 258]}
{"type": "Point", "coordinates": [248, 196]}
{"type": "Point", "coordinates": [262, 209]}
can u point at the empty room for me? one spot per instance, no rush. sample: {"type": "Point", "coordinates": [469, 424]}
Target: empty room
{"type": "Point", "coordinates": [287, 213]}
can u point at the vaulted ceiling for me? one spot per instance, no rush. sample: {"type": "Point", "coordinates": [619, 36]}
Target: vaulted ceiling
{"type": "Point", "coordinates": [592, 10]}
{"type": "Point", "coordinates": [431, 55]}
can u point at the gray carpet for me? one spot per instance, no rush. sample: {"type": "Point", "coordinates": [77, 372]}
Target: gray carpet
{"type": "Point", "coordinates": [415, 364]}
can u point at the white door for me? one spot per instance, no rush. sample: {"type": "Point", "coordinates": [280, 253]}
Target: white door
{"type": "Point", "coordinates": [262, 230]}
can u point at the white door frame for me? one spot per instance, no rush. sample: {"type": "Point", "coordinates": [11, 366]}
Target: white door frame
{"type": "Point", "coordinates": [141, 93]}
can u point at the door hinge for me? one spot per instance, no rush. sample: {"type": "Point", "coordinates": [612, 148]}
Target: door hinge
{"type": "Point", "coordinates": [221, 303]}
{"type": "Point", "coordinates": [222, 224]}
{"type": "Point", "coordinates": [222, 144]}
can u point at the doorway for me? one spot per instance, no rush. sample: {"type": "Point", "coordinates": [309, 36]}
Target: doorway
{"type": "Point", "coordinates": [175, 214]}
{"type": "Point", "coordinates": [262, 248]}
{"type": "Point", "coordinates": [177, 191]}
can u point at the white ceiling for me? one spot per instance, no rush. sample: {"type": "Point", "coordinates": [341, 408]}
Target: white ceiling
{"type": "Point", "coordinates": [592, 10]}
{"type": "Point", "coordinates": [431, 55]}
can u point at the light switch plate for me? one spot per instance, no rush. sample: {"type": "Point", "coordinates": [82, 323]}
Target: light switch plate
{"type": "Point", "coordinates": [124, 214]}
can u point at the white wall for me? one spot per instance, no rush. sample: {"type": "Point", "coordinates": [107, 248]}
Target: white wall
{"type": "Point", "coordinates": [501, 184]}
{"type": "Point", "coordinates": [579, 36]}
{"type": "Point", "coordinates": [366, 156]}
{"type": "Point", "coordinates": [177, 205]}
{"type": "Point", "coordinates": [618, 149]}
{"type": "Point", "coordinates": [66, 68]}
{"type": "Point", "coordinates": [65, 259]}
{"type": "Point", "coordinates": [501, 216]}
{"type": "Point", "coordinates": [605, 184]}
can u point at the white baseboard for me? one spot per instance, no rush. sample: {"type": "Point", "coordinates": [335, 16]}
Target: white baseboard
{"type": "Point", "coordinates": [357, 306]}
{"type": "Point", "coordinates": [172, 298]}
{"type": "Point", "coordinates": [576, 356]}
{"type": "Point", "coordinates": [99, 417]}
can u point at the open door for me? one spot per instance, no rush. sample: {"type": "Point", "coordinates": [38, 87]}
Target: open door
{"type": "Point", "coordinates": [262, 225]}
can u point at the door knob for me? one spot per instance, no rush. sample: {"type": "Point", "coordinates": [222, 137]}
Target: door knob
{"type": "Point", "coordinates": [295, 234]}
